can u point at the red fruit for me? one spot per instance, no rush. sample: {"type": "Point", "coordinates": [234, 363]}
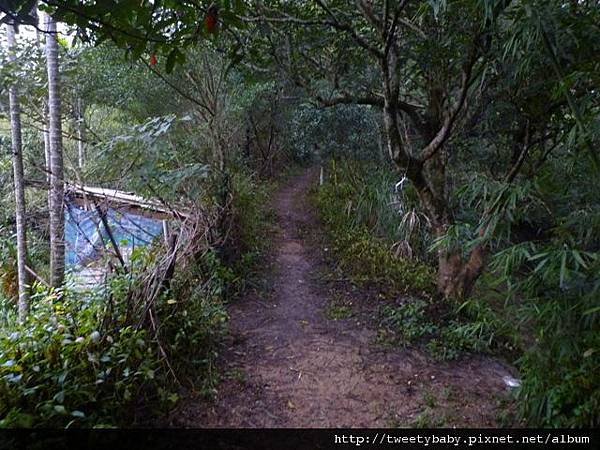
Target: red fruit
{"type": "Point", "coordinates": [211, 20]}
{"type": "Point", "coordinates": [153, 60]}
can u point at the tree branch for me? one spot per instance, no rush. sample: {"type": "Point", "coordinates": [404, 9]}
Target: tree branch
{"type": "Point", "coordinates": [444, 132]}
{"type": "Point", "coordinates": [346, 27]}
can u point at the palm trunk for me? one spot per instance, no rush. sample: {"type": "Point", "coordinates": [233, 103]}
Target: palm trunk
{"type": "Point", "coordinates": [17, 159]}
{"type": "Point", "coordinates": [57, 218]}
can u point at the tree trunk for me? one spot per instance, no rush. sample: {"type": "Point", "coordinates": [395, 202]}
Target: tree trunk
{"type": "Point", "coordinates": [38, 39]}
{"type": "Point", "coordinates": [57, 217]}
{"type": "Point", "coordinates": [46, 135]}
{"type": "Point", "coordinates": [80, 133]}
{"type": "Point", "coordinates": [17, 159]}
{"type": "Point", "coordinates": [456, 277]}
{"type": "Point", "coordinates": [457, 273]}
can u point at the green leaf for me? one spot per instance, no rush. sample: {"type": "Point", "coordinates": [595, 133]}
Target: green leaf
{"type": "Point", "coordinates": [59, 397]}
{"type": "Point", "coordinates": [579, 259]}
{"type": "Point", "coordinates": [60, 409]}
{"type": "Point", "coordinates": [175, 56]}
{"type": "Point", "coordinates": [563, 269]}
{"type": "Point", "coordinates": [592, 311]}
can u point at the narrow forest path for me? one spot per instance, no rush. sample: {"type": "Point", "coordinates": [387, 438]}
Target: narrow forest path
{"type": "Point", "coordinates": [288, 365]}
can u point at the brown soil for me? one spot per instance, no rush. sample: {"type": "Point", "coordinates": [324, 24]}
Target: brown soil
{"type": "Point", "coordinates": [287, 365]}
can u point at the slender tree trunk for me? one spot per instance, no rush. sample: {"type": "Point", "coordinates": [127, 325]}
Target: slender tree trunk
{"type": "Point", "coordinates": [80, 133]}
{"type": "Point", "coordinates": [17, 159]}
{"type": "Point", "coordinates": [38, 38]}
{"type": "Point", "coordinates": [57, 217]}
{"type": "Point", "coordinates": [46, 135]}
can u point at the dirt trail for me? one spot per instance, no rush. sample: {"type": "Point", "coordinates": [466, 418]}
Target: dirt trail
{"type": "Point", "coordinates": [288, 365]}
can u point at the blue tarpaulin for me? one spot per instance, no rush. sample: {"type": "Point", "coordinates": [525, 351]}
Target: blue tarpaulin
{"type": "Point", "coordinates": [86, 239]}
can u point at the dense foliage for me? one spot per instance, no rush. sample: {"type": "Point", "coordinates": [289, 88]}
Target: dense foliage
{"type": "Point", "coordinates": [120, 352]}
{"type": "Point", "coordinates": [364, 234]}
{"type": "Point", "coordinates": [459, 148]}
{"type": "Point", "coordinates": [90, 359]}
{"type": "Point", "coordinates": [537, 306]}
{"type": "Point", "coordinates": [373, 242]}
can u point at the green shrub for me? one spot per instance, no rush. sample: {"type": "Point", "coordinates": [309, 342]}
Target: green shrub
{"type": "Point", "coordinates": [446, 336]}
{"type": "Point", "coordinates": [457, 338]}
{"type": "Point", "coordinates": [193, 328]}
{"type": "Point", "coordinates": [555, 285]}
{"type": "Point", "coordinates": [562, 389]}
{"type": "Point", "coordinates": [91, 359]}
{"type": "Point", "coordinates": [61, 368]}
{"type": "Point", "coordinates": [408, 321]}
{"type": "Point", "coordinates": [247, 225]}
{"type": "Point", "coordinates": [474, 327]}
{"type": "Point", "coordinates": [359, 239]}
{"type": "Point", "coordinates": [56, 372]}
{"type": "Point", "coordinates": [561, 370]}
{"type": "Point", "coordinates": [112, 357]}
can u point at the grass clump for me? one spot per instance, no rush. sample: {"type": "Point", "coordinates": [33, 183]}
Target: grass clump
{"type": "Point", "coordinates": [408, 322]}
{"type": "Point", "coordinates": [339, 308]}
{"type": "Point", "coordinates": [355, 211]}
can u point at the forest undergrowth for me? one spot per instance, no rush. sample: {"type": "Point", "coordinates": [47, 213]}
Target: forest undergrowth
{"type": "Point", "coordinates": [459, 193]}
{"type": "Point", "coordinates": [379, 242]}
{"type": "Point", "coordinates": [118, 354]}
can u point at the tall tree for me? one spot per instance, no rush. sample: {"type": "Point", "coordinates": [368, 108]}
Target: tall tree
{"type": "Point", "coordinates": [39, 42]}
{"type": "Point", "coordinates": [19, 183]}
{"type": "Point", "coordinates": [57, 217]}
{"type": "Point", "coordinates": [419, 65]}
